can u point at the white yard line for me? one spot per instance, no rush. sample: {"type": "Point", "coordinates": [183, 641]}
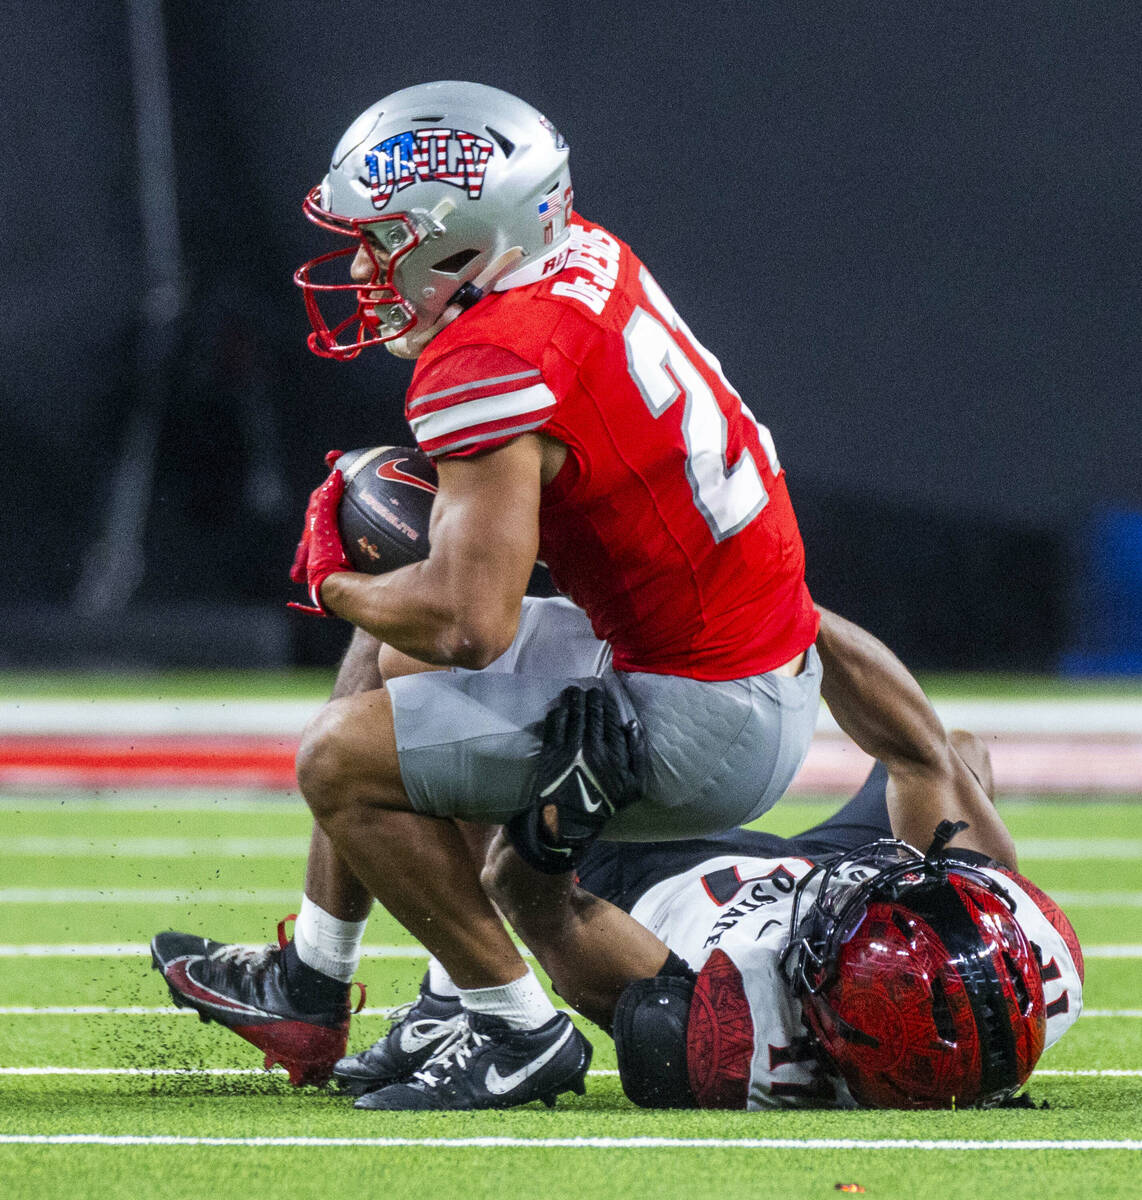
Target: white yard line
{"type": "Point", "coordinates": [104, 846]}
{"type": "Point", "coordinates": [186, 895]}
{"type": "Point", "coordinates": [141, 950]}
{"type": "Point", "coordinates": [573, 1143]}
{"type": "Point", "coordinates": [34, 715]}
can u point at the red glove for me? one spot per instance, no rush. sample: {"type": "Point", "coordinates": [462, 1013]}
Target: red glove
{"type": "Point", "coordinates": [320, 552]}
{"type": "Point", "coordinates": [301, 555]}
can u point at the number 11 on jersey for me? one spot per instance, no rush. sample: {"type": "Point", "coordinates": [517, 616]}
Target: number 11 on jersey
{"type": "Point", "coordinates": [727, 497]}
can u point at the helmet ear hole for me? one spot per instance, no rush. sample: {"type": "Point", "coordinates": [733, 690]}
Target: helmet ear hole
{"type": "Point", "coordinates": [942, 1013]}
{"type": "Point", "coordinates": [902, 924]}
{"type": "Point", "coordinates": [455, 263]}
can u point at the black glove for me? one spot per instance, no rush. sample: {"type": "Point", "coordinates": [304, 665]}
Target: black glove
{"type": "Point", "coordinates": [591, 765]}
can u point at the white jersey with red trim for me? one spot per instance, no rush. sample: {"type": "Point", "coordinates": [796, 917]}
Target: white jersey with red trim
{"type": "Point", "coordinates": [730, 917]}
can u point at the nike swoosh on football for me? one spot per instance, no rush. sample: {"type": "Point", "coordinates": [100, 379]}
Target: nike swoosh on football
{"type": "Point", "coordinates": [178, 973]}
{"type": "Point", "coordinates": [391, 470]}
{"type": "Point", "coordinates": [498, 1084]}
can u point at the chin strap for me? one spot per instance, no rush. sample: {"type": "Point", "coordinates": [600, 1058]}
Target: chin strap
{"type": "Point", "coordinates": [945, 831]}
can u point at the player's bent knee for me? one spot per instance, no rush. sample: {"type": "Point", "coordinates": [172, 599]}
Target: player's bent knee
{"type": "Point", "coordinates": [323, 761]}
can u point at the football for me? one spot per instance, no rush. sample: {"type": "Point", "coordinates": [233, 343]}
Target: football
{"type": "Point", "coordinates": [384, 511]}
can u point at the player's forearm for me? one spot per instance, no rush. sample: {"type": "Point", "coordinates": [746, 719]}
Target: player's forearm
{"type": "Point", "coordinates": [877, 702]}
{"type": "Point", "coordinates": [590, 949]}
{"type": "Point", "coordinates": [439, 615]}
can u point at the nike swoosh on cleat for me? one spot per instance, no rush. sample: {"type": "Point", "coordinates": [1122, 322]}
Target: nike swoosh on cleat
{"type": "Point", "coordinates": [177, 974]}
{"type": "Point", "coordinates": [411, 1040]}
{"type": "Point", "coordinates": [499, 1084]}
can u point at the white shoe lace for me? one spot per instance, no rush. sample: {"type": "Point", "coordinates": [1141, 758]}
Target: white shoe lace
{"type": "Point", "coordinates": [250, 957]}
{"type": "Point", "coordinates": [454, 1053]}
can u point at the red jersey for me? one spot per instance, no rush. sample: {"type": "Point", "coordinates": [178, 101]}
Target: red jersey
{"type": "Point", "coordinates": [670, 522]}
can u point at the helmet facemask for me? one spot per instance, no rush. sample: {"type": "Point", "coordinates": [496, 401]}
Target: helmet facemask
{"type": "Point", "coordinates": [381, 313]}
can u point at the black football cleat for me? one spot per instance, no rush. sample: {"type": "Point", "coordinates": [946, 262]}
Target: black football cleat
{"type": "Point", "coordinates": [488, 1064]}
{"type": "Point", "coordinates": [247, 989]}
{"type": "Point", "coordinates": [417, 1033]}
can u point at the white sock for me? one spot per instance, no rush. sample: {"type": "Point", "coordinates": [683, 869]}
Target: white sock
{"type": "Point", "coordinates": [327, 943]}
{"type": "Point", "coordinates": [439, 981]}
{"type": "Point", "coordinates": [522, 1003]}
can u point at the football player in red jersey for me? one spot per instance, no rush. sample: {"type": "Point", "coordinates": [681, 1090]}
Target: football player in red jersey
{"type": "Point", "coordinates": [573, 418]}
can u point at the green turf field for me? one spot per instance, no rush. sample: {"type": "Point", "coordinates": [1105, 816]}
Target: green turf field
{"type": "Point", "coordinates": [313, 683]}
{"type": "Point", "coordinates": [146, 1102]}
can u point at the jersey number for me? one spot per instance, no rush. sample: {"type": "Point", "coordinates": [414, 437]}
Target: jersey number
{"type": "Point", "coordinates": [727, 497]}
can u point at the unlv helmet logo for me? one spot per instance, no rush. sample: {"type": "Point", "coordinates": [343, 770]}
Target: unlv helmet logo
{"type": "Point", "coordinates": [451, 156]}
{"type": "Point", "coordinates": [392, 470]}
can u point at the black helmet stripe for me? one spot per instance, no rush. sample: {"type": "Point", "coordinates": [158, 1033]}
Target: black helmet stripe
{"type": "Point", "coordinates": [942, 907]}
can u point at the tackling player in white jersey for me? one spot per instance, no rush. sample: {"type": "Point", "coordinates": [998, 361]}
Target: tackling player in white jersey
{"type": "Point", "coordinates": [840, 967]}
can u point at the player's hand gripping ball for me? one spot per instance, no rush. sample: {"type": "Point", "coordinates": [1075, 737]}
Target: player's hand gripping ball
{"type": "Point", "coordinates": [370, 515]}
{"type": "Point", "coordinates": [384, 512]}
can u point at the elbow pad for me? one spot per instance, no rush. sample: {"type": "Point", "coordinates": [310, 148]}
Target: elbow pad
{"type": "Point", "coordinates": [650, 1038]}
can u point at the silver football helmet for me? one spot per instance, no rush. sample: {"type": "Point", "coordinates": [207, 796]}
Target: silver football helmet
{"type": "Point", "coordinates": [450, 189]}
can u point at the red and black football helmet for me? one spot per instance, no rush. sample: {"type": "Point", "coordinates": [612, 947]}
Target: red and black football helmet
{"type": "Point", "coordinates": [918, 983]}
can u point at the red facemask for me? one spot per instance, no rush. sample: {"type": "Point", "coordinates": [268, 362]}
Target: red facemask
{"type": "Point", "coordinates": [380, 313]}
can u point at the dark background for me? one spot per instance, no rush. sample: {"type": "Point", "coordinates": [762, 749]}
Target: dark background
{"type": "Point", "coordinates": [910, 233]}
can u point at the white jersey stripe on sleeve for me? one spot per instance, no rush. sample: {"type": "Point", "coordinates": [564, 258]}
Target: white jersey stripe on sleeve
{"type": "Point", "coordinates": [428, 427]}
{"type": "Point", "coordinates": [473, 385]}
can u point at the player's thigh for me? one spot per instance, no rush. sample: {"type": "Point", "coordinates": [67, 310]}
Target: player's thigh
{"type": "Point", "coordinates": [721, 753]}
{"type": "Point", "coordinates": [468, 740]}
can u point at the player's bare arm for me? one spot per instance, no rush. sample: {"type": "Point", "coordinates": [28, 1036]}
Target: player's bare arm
{"type": "Point", "coordinates": [589, 948]}
{"type": "Point", "coordinates": [878, 703]}
{"type": "Point", "coordinates": [460, 607]}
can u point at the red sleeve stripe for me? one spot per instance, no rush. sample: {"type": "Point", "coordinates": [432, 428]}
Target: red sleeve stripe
{"type": "Point", "coordinates": [532, 403]}
{"type": "Point", "coordinates": [474, 385]}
